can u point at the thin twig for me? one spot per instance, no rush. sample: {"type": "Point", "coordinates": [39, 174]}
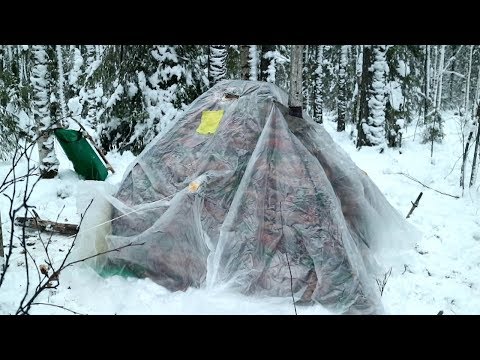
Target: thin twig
{"type": "Point", "coordinates": [382, 283]}
{"type": "Point", "coordinates": [428, 187]}
{"type": "Point", "coordinates": [103, 253]}
{"type": "Point", "coordinates": [454, 164]}
{"type": "Point", "coordinates": [58, 306]}
{"type": "Point", "coordinates": [291, 282]}
{"type": "Point", "coordinates": [288, 262]}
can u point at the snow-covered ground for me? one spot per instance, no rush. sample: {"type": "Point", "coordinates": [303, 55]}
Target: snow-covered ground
{"type": "Point", "coordinates": [441, 273]}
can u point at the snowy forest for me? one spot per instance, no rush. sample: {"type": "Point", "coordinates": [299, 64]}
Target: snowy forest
{"type": "Point", "coordinates": [374, 99]}
{"type": "Point", "coordinates": [128, 94]}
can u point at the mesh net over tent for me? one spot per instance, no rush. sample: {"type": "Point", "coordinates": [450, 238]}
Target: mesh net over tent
{"type": "Point", "coordinates": [239, 193]}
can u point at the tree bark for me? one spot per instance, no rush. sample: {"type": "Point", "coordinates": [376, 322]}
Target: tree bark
{"type": "Point", "coordinates": [264, 62]}
{"type": "Point", "coordinates": [477, 90]}
{"type": "Point", "coordinates": [438, 97]}
{"type": "Point", "coordinates": [358, 73]}
{"type": "Point", "coordinates": [473, 174]}
{"type": "Point", "coordinates": [318, 108]}
{"type": "Point", "coordinates": [61, 81]}
{"type": "Point", "coordinates": [342, 91]}
{"type": "Point", "coordinates": [42, 112]}
{"type": "Point", "coordinates": [467, 120]}
{"type": "Point", "coordinates": [47, 225]}
{"type": "Point", "coordinates": [467, 85]}
{"type": "Point", "coordinates": [295, 98]}
{"type": "Point", "coordinates": [253, 62]}
{"type": "Point", "coordinates": [452, 75]}
{"type": "Point", "coordinates": [427, 83]}
{"type": "Point", "coordinates": [217, 63]}
{"type": "Point", "coordinates": [364, 84]}
{"type": "Point", "coordinates": [464, 160]}
{"type": "Point", "coordinates": [244, 65]}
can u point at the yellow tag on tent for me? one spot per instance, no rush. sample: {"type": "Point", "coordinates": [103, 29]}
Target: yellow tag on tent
{"type": "Point", "coordinates": [210, 122]}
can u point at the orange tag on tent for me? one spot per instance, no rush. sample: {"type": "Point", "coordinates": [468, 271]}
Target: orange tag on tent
{"type": "Point", "coordinates": [193, 186]}
{"type": "Point", "coordinates": [210, 122]}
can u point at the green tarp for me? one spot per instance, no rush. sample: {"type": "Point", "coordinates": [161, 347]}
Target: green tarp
{"type": "Point", "coordinates": [84, 158]}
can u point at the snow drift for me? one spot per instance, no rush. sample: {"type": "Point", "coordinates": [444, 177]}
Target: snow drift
{"type": "Point", "coordinates": [239, 193]}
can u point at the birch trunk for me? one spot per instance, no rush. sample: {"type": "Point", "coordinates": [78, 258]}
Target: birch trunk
{"type": "Point", "coordinates": [318, 106]}
{"type": "Point", "coordinates": [295, 98]}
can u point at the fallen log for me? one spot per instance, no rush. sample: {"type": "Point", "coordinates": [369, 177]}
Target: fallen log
{"type": "Point", "coordinates": [47, 225]}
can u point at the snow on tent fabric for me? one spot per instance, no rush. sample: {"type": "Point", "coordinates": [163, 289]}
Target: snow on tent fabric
{"type": "Point", "coordinates": [265, 194]}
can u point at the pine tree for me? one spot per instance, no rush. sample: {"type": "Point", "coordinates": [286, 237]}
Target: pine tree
{"type": "Point", "coordinates": [92, 91]}
{"type": "Point", "coordinates": [14, 97]}
{"type": "Point", "coordinates": [402, 91]}
{"type": "Point", "coordinates": [273, 65]}
{"type": "Point", "coordinates": [434, 123]}
{"type": "Point", "coordinates": [146, 87]}
{"type": "Point", "coordinates": [330, 81]}
{"type": "Point", "coordinates": [123, 72]}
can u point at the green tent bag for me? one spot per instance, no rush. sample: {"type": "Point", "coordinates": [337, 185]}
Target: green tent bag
{"type": "Point", "coordinates": [85, 160]}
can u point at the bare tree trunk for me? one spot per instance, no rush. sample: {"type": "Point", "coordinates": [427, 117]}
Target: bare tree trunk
{"type": "Point", "coordinates": [98, 52]}
{"type": "Point", "coordinates": [452, 75]}
{"type": "Point", "coordinates": [264, 62]}
{"type": "Point", "coordinates": [438, 95]}
{"type": "Point", "coordinates": [467, 121]}
{"type": "Point", "coordinates": [434, 74]}
{"type": "Point", "coordinates": [42, 112]}
{"type": "Point", "coordinates": [364, 85]}
{"type": "Point", "coordinates": [318, 108]}
{"type": "Point", "coordinates": [295, 98]}
{"type": "Point", "coordinates": [477, 91]}
{"type": "Point", "coordinates": [244, 66]}
{"type": "Point", "coordinates": [305, 75]}
{"type": "Point", "coordinates": [358, 72]}
{"type": "Point", "coordinates": [342, 91]}
{"type": "Point", "coordinates": [372, 127]}
{"type": "Point", "coordinates": [473, 173]}
{"type": "Point", "coordinates": [427, 83]}
{"type": "Point", "coordinates": [217, 63]}
{"type": "Point", "coordinates": [467, 85]}
{"type": "Point", "coordinates": [61, 81]}
{"type": "Point", "coordinates": [464, 160]}
{"type": "Point", "coordinates": [253, 62]}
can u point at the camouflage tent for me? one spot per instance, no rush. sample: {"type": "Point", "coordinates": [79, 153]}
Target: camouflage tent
{"type": "Point", "coordinates": [238, 192]}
